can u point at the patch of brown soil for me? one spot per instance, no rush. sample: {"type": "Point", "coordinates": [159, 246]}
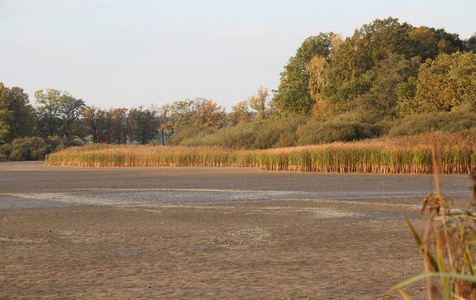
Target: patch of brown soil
{"type": "Point", "coordinates": [234, 252]}
{"type": "Point", "coordinates": [273, 247]}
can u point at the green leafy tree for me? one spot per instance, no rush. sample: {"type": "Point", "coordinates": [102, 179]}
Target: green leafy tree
{"type": "Point", "coordinates": [118, 132]}
{"type": "Point", "coordinates": [5, 121]}
{"type": "Point", "coordinates": [470, 44]}
{"type": "Point", "coordinates": [17, 118]}
{"type": "Point", "coordinates": [143, 125]}
{"type": "Point", "coordinates": [406, 92]}
{"type": "Point", "coordinates": [182, 112]}
{"type": "Point", "coordinates": [293, 95]}
{"type": "Point", "coordinates": [93, 122]}
{"type": "Point", "coordinates": [430, 42]}
{"type": "Point", "coordinates": [369, 66]}
{"type": "Point", "coordinates": [352, 71]}
{"type": "Point", "coordinates": [318, 71]}
{"type": "Point", "coordinates": [381, 99]}
{"type": "Point", "coordinates": [58, 112]}
{"type": "Point", "coordinates": [443, 84]}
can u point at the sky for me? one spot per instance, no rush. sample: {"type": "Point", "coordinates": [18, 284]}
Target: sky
{"type": "Point", "coordinates": [131, 53]}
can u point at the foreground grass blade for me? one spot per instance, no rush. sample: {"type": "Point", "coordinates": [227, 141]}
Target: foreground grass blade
{"type": "Point", "coordinates": [445, 282]}
{"type": "Point", "coordinates": [433, 274]}
{"type": "Point", "coordinates": [420, 242]}
{"type": "Point", "coordinates": [467, 255]}
{"type": "Point", "coordinates": [404, 295]}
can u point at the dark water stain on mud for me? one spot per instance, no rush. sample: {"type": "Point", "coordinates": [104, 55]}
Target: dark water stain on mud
{"type": "Point", "coordinates": [27, 187]}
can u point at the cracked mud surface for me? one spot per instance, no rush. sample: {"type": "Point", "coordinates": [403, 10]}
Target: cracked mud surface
{"type": "Point", "coordinates": [208, 233]}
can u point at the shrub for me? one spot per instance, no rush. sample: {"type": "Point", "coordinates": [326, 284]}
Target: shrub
{"type": "Point", "coordinates": [261, 134]}
{"type": "Point", "coordinates": [5, 151]}
{"type": "Point", "coordinates": [201, 138]}
{"type": "Point", "coordinates": [287, 138]}
{"type": "Point", "coordinates": [30, 148]}
{"type": "Point", "coordinates": [241, 136]}
{"type": "Point", "coordinates": [322, 132]}
{"type": "Point", "coordinates": [448, 122]}
{"type": "Point", "coordinates": [27, 148]}
{"type": "Point", "coordinates": [178, 137]}
{"type": "Point", "coordinates": [268, 133]}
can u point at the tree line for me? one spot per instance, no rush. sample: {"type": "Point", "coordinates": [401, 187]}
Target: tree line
{"type": "Point", "coordinates": [59, 116]}
{"type": "Point", "coordinates": [387, 78]}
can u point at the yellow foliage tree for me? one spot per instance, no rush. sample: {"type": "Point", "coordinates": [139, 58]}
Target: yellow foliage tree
{"type": "Point", "coordinates": [259, 103]}
{"type": "Point", "coordinates": [443, 84]}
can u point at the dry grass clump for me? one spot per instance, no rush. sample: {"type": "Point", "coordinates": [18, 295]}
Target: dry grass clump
{"type": "Point", "coordinates": [448, 245]}
{"type": "Point", "coordinates": [410, 155]}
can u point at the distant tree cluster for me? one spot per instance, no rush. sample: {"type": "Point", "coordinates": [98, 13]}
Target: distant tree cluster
{"type": "Point", "coordinates": [58, 116]}
{"type": "Point", "coordinates": [385, 69]}
{"type": "Point", "coordinates": [387, 78]}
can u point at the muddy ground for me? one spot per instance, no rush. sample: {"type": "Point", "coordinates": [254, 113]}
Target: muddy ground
{"type": "Point", "coordinates": [208, 233]}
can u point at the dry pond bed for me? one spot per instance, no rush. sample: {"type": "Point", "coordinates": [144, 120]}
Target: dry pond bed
{"type": "Point", "coordinates": [196, 233]}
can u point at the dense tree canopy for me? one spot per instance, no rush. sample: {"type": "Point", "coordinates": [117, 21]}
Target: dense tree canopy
{"type": "Point", "coordinates": [16, 114]}
{"type": "Point", "coordinates": [442, 85]}
{"type": "Point", "coordinates": [328, 76]}
{"type": "Point", "coordinates": [93, 122]}
{"type": "Point", "coordinates": [381, 98]}
{"type": "Point", "coordinates": [58, 112]}
{"type": "Point", "coordinates": [293, 94]}
{"type": "Point", "coordinates": [143, 125]}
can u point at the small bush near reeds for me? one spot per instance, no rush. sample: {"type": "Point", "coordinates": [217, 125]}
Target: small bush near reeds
{"type": "Point", "coordinates": [271, 132]}
{"type": "Point", "coordinates": [33, 148]}
{"type": "Point", "coordinates": [464, 118]}
{"type": "Point", "coordinates": [241, 136]}
{"type": "Point", "coordinates": [261, 134]}
{"type": "Point", "coordinates": [199, 139]}
{"type": "Point", "coordinates": [186, 133]}
{"type": "Point", "coordinates": [30, 148]}
{"type": "Point", "coordinates": [5, 150]}
{"type": "Point", "coordinates": [448, 245]}
{"type": "Point", "coordinates": [319, 132]}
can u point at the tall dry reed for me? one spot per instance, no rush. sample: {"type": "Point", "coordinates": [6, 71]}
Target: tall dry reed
{"type": "Point", "coordinates": [410, 155]}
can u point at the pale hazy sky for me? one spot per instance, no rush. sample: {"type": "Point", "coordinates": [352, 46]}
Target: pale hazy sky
{"type": "Point", "coordinates": [127, 53]}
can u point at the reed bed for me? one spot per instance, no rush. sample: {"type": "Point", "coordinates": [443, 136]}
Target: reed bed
{"type": "Point", "coordinates": [405, 155]}
{"type": "Point", "coordinates": [150, 156]}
